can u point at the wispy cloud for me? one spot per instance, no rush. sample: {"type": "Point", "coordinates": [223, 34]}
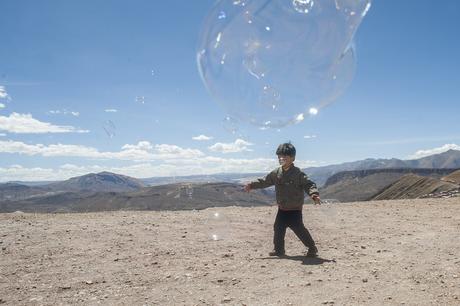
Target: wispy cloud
{"type": "Point", "coordinates": [2, 105]}
{"type": "Point", "coordinates": [2, 134]}
{"type": "Point", "coordinates": [142, 151]}
{"type": "Point", "coordinates": [309, 136]}
{"type": "Point", "coordinates": [111, 110]}
{"type": "Point", "coordinates": [202, 138]}
{"type": "Point", "coordinates": [26, 124]}
{"type": "Point", "coordinates": [428, 152]}
{"type": "Point", "coordinates": [3, 93]}
{"type": "Point", "coordinates": [239, 145]}
{"type": "Point", "coordinates": [194, 166]}
{"type": "Point", "coordinates": [64, 112]}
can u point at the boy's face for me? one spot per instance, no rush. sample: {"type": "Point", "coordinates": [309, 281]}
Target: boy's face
{"type": "Point", "coordinates": [285, 160]}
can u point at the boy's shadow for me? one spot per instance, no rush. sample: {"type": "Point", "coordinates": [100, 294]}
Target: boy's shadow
{"type": "Point", "coordinates": [304, 259]}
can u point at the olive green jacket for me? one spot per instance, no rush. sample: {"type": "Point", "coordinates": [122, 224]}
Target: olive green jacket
{"type": "Point", "coordinates": [290, 187]}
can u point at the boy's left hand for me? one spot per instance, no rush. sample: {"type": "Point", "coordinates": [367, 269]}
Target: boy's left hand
{"type": "Point", "coordinates": [316, 199]}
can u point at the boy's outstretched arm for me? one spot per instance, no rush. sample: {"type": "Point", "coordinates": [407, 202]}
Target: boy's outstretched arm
{"type": "Point", "coordinates": [311, 189]}
{"type": "Point", "coordinates": [268, 181]}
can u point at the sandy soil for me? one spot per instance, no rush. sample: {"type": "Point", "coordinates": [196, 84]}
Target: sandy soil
{"type": "Point", "coordinates": [376, 253]}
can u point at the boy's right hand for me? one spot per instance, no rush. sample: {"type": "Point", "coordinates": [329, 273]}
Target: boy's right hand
{"type": "Point", "coordinates": [247, 187]}
{"type": "Point", "coordinates": [316, 199]}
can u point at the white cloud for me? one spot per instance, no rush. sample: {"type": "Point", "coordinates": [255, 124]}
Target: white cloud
{"type": "Point", "coordinates": [202, 138]}
{"type": "Point", "coordinates": [3, 93]}
{"type": "Point", "coordinates": [238, 146]}
{"type": "Point", "coordinates": [110, 110]}
{"type": "Point", "coordinates": [2, 105]}
{"type": "Point", "coordinates": [26, 124]}
{"type": "Point", "coordinates": [309, 136]}
{"type": "Point", "coordinates": [424, 153]}
{"type": "Point", "coordinates": [64, 112]}
{"type": "Point", "coordinates": [166, 151]}
{"type": "Point", "coordinates": [2, 134]}
{"type": "Point", "coordinates": [174, 167]}
{"type": "Point", "coordinates": [143, 151]}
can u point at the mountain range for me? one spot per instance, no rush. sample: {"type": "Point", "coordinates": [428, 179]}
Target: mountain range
{"type": "Point", "coordinates": [353, 181]}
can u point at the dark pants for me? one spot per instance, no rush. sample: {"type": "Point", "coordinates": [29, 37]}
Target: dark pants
{"type": "Point", "coordinates": [293, 220]}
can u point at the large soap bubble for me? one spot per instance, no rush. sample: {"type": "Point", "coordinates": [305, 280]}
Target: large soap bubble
{"type": "Point", "coordinates": [270, 62]}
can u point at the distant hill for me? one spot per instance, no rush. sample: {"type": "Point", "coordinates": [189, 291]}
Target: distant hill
{"type": "Point", "coordinates": [412, 186]}
{"type": "Point", "coordinates": [449, 159]}
{"type": "Point", "coordinates": [98, 182]}
{"type": "Point", "coordinates": [205, 178]}
{"type": "Point", "coordinates": [164, 197]}
{"type": "Point", "coordinates": [362, 185]}
{"type": "Point", "coordinates": [15, 191]}
{"type": "Point", "coordinates": [454, 177]}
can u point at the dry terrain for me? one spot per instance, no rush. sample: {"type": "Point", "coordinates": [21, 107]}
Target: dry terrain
{"type": "Point", "coordinates": [401, 252]}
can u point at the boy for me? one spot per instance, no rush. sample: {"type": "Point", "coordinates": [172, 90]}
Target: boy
{"type": "Point", "coordinates": [290, 185]}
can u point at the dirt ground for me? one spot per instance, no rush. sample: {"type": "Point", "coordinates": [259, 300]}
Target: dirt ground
{"type": "Point", "coordinates": [404, 252]}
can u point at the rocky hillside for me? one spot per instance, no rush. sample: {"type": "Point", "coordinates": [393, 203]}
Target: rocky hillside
{"type": "Point", "coordinates": [449, 160]}
{"type": "Point", "coordinates": [362, 185]}
{"type": "Point", "coordinates": [413, 186]}
{"type": "Point", "coordinates": [453, 177]}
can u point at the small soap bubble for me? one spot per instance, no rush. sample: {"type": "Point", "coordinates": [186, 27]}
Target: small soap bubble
{"type": "Point", "coordinates": [268, 61]}
{"type": "Point", "coordinates": [218, 225]}
{"type": "Point", "coordinates": [303, 6]}
{"type": "Point", "coordinates": [222, 15]}
{"type": "Point", "coordinates": [270, 98]}
{"type": "Point", "coordinates": [189, 191]}
{"type": "Point", "coordinates": [109, 128]}
{"type": "Point", "coordinates": [329, 210]}
{"type": "Point", "coordinates": [230, 125]}
{"type": "Point", "coordinates": [239, 2]}
{"type": "Point", "coordinates": [140, 99]}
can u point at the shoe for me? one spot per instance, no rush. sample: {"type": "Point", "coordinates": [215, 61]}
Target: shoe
{"type": "Point", "coordinates": [312, 252]}
{"type": "Point", "coordinates": [276, 253]}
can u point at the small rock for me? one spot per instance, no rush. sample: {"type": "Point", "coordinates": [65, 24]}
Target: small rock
{"type": "Point", "coordinates": [88, 282]}
{"type": "Point", "coordinates": [364, 280]}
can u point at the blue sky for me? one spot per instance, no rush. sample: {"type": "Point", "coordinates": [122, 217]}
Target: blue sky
{"type": "Point", "coordinates": [88, 86]}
